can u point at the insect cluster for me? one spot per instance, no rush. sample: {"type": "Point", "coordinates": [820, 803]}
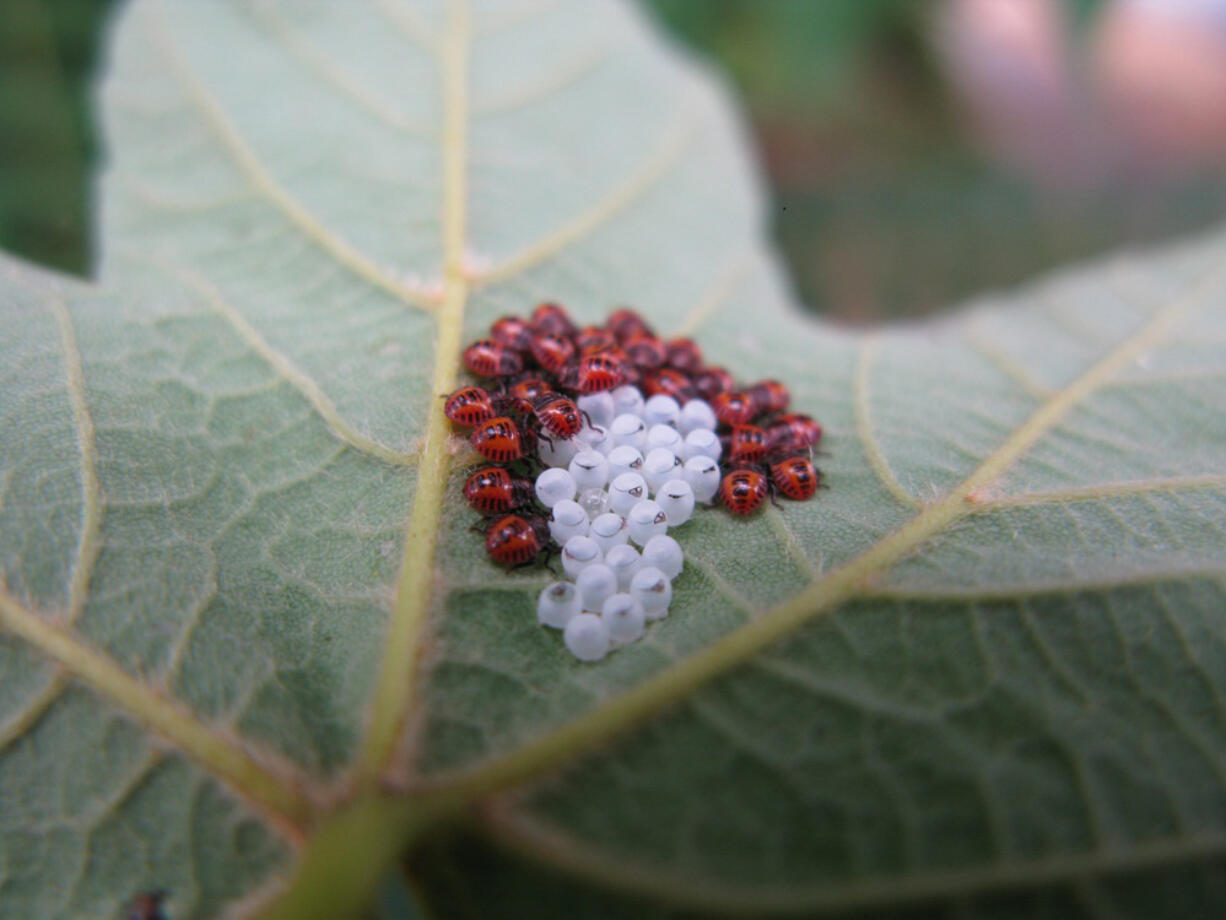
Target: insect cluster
{"type": "Point", "coordinates": [601, 440]}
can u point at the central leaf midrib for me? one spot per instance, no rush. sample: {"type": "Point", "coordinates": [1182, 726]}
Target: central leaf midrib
{"type": "Point", "coordinates": [395, 684]}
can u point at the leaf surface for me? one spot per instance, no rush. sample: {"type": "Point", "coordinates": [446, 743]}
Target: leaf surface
{"type": "Point", "coordinates": [244, 619]}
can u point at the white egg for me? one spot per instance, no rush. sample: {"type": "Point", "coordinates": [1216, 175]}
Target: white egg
{"type": "Point", "coordinates": [599, 407]}
{"type": "Point", "coordinates": [557, 604]}
{"type": "Point", "coordinates": [594, 437]}
{"type": "Point", "coordinates": [624, 459]}
{"type": "Point", "coordinates": [595, 583]}
{"type": "Point", "coordinates": [653, 589]}
{"type": "Point", "coordinates": [609, 530]}
{"type": "Point", "coordinates": [594, 502]}
{"type": "Point", "coordinates": [624, 560]}
{"type": "Point", "coordinates": [554, 485]}
{"type": "Point", "coordinates": [645, 520]}
{"type": "Point", "coordinates": [578, 553]}
{"type": "Point", "coordinates": [665, 436]}
{"type": "Point", "coordinates": [702, 473]}
{"type": "Point", "coordinates": [664, 553]}
{"type": "Point", "coordinates": [624, 617]}
{"type": "Point", "coordinates": [629, 429]}
{"type": "Point", "coordinates": [589, 469]}
{"type": "Point", "coordinates": [557, 452]}
{"type": "Point", "coordinates": [701, 443]}
{"type": "Point", "coordinates": [587, 637]}
{"type": "Point", "coordinates": [697, 415]}
{"type": "Point", "coordinates": [676, 498]}
{"type": "Point", "coordinates": [661, 410]}
{"type": "Point", "coordinates": [627, 400]}
{"type": "Point", "coordinates": [626, 491]}
{"type": "Point", "coordinates": [659, 466]}
{"type": "Point", "coordinates": [567, 519]}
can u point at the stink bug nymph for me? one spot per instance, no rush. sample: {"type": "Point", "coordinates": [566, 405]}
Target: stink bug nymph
{"type": "Point", "coordinates": [743, 491]}
{"type": "Point", "coordinates": [498, 439]}
{"type": "Point", "coordinates": [493, 490]}
{"type": "Point", "coordinates": [513, 540]}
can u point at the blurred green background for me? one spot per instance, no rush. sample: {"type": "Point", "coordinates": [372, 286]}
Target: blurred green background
{"type": "Point", "coordinates": [886, 202]}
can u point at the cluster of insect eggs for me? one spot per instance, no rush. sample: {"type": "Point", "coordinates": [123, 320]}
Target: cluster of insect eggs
{"type": "Point", "coordinates": [615, 416]}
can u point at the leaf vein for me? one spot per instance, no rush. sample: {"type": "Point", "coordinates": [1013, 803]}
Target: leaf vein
{"type": "Point", "coordinates": [862, 402]}
{"type": "Point", "coordinates": [284, 367]}
{"type": "Point", "coordinates": [262, 181]}
{"type": "Point", "coordinates": [650, 172]}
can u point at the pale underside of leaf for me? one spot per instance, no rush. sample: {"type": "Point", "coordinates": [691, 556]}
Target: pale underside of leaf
{"type": "Point", "coordinates": [1019, 457]}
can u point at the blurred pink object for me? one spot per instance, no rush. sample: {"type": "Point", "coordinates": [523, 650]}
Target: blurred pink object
{"type": "Point", "coordinates": [1147, 94]}
{"type": "Point", "coordinates": [1160, 66]}
{"type": "Point", "coordinates": [1010, 63]}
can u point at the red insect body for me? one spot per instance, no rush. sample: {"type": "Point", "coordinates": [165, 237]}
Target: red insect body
{"type": "Point", "coordinates": [486, 358]}
{"type": "Point", "coordinates": [796, 477]}
{"type": "Point", "coordinates": [645, 351]}
{"type": "Point", "coordinates": [743, 491]}
{"type": "Point", "coordinates": [493, 490]}
{"type": "Point", "coordinates": [512, 332]}
{"type": "Point", "coordinates": [551, 319]}
{"type": "Point", "coordinates": [683, 354]}
{"type": "Point", "coordinates": [669, 382]}
{"type": "Point", "coordinates": [552, 351]}
{"type": "Point", "coordinates": [769, 396]}
{"type": "Point", "coordinates": [511, 540]}
{"type": "Point", "coordinates": [147, 905]}
{"type": "Point", "coordinates": [625, 324]}
{"type": "Point", "coordinates": [593, 339]}
{"type": "Point", "coordinates": [525, 392]}
{"type": "Point", "coordinates": [734, 408]}
{"type": "Point", "coordinates": [746, 444]}
{"type": "Point", "coordinates": [793, 432]}
{"type": "Point", "coordinates": [597, 373]}
{"type": "Point", "coordinates": [558, 415]}
{"type": "Point", "coordinates": [498, 439]}
{"type": "Point", "coordinates": [469, 406]}
{"type": "Point", "coordinates": [711, 381]}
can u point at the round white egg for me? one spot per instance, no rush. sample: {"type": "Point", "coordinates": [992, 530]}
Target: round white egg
{"type": "Point", "coordinates": [653, 589]}
{"type": "Point", "coordinates": [626, 491]}
{"type": "Point", "coordinates": [554, 485]}
{"type": "Point", "coordinates": [594, 437]}
{"type": "Point", "coordinates": [624, 459]}
{"type": "Point", "coordinates": [645, 520]}
{"type": "Point", "coordinates": [697, 415]}
{"type": "Point", "coordinates": [676, 499]}
{"type": "Point", "coordinates": [624, 560]}
{"type": "Point", "coordinates": [567, 519]}
{"type": "Point", "coordinates": [661, 410]}
{"type": "Point", "coordinates": [589, 469]}
{"type": "Point", "coordinates": [557, 452]}
{"type": "Point", "coordinates": [702, 473]}
{"type": "Point", "coordinates": [558, 603]}
{"type": "Point", "coordinates": [578, 553]}
{"type": "Point", "coordinates": [627, 400]}
{"type": "Point", "coordinates": [665, 436]}
{"type": "Point", "coordinates": [624, 617]}
{"type": "Point", "coordinates": [587, 637]}
{"type": "Point", "coordinates": [664, 553]}
{"type": "Point", "coordinates": [595, 583]}
{"type": "Point", "coordinates": [659, 466]}
{"type": "Point", "coordinates": [629, 429]}
{"type": "Point", "coordinates": [608, 530]}
{"type": "Point", "coordinates": [599, 407]}
{"type": "Point", "coordinates": [701, 442]}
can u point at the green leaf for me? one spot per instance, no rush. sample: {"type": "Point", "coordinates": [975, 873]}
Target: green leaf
{"type": "Point", "coordinates": [251, 653]}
